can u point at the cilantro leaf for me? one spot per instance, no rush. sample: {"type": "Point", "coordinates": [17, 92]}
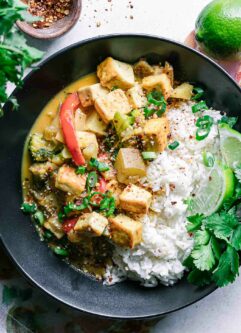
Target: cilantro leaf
{"type": "Point", "coordinates": [199, 278]}
{"type": "Point", "coordinates": [195, 222]}
{"type": "Point", "coordinates": [227, 268]}
{"type": "Point", "coordinates": [236, 238]}
{"type": "Point", "coordinates": [202, 254]}
{"type": "Point", "coordinates": [221, 224]}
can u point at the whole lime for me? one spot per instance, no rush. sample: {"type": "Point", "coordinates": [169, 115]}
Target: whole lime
{"type": "Point", "coordinates": [218, 28]}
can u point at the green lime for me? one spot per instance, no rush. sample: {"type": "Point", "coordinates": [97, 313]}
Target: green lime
{"type": "Point", "coordinates": [230, 143]}
{"type": "Point", "coordinates": [218, 27]}
{"type": "Point", "coordinates": [218, 188]}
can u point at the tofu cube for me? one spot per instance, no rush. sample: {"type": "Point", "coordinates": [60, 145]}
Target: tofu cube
{"type": "Point", "coordinates": [92, 223]}
{"type": "Point", "coordinates": [54, 226]}
{"type": "Point", "coordinates": [142, 69]}
{"type": "Point", "coordinates": [88, 144]}
{"type": "Point", "coordinates": [159, 82]}
{"type": "Point", "coordinates": [114, 73]}
{"type": "Point", "coordinates": [157, 131]}
{"type": "Point", "coordinates": [124, 231]}
{"type": "Point", "coordinates": [88, 95]}
{"type": "Point", "coordinates": [135, 199]}
{"type": "Point", "coordinates": [95, 124]}
{"type": "Point", "coordinates": [136, 97]}
{"type": "Point", "coordinates": [68, 181]}
{"type": "Point", "coordinates": [115, 101]}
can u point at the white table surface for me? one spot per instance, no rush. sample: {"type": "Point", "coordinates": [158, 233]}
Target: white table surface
{"type": "Point", "coordinates": [221, 311]}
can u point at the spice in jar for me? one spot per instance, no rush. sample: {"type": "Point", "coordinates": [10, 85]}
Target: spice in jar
{"type": "Point", "coordinates": [50, 11]}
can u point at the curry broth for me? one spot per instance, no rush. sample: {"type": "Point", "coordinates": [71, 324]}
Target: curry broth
{"type": "Point", "coordinates": [48, 114]}
{"type": "Point", "coordinates": [77, 257]}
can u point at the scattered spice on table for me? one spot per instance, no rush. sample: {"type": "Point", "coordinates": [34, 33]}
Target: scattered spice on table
{"type": "Point", "coordinates": [50, 11]}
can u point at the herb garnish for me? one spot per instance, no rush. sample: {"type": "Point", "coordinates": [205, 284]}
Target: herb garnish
{"type": "Point", "coordinates": [100, 166]}
{"type": "Point", "coordinates": [80, 170]}
{"type": "Point", "coordinates": [200, 106]}
{"type": "Point", "coordinates": [204, 125]}
{"type": "Point", "coordinates": [29, 208]}
{"type": "Point", "coordinates": [156, 104]}
{"type": "Point", "coordinates": [15, 54]}
{"type": "Point", "coordinates": [231, 121]}
{"type": "Point", "coordinates": [91, 180]}
{"type": "Point", "coordinates": [173, 145]}
{"type": "Point", "coordinates": [199, 92]}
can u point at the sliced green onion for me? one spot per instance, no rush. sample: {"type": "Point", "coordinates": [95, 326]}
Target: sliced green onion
{"type": "Point", "coordinates": [72, 207]}
{"type": "Point", "coordinates": [91, 180]}
{"type": "Point", "coordinates": [60, 251]}
{"type": "Point", "coordinates": [39, 217]}
{"type": "Point", "coordinates": [162, 109]}
{"type": "Point", "coordinates": [149, 155]}
{"type": "Point", "coordinates": [208, 159]}
{"type": "Point", "coordinates": [61, 216]}
{"type": "Point", "coordinates": [100, 166]}
{"type": "Point", "coordinates": [48, 234]}
{"type": "Point", "coordinates": [173, 145]}
{"type": "Point", "coordinates": [107, 206]}
{"type": "Point", "coordinates": [204, 122]}
{"type": "Point", "coordinates": [148, 112]}
{"type": "Point", "coordinates": [231, 121]}
{"type": "Point", "coordinates": [199, 92]}
{"type": "Point", "coordinates": [199, 107]}
{"type": "Point", "coordinates": [80, 170]}
{"type": "Point", "coordinates": [155, 98]}
{"type": "Point", "coordinates": [28, 208]}
{"type": "Point", "coordinates": [202, 133]}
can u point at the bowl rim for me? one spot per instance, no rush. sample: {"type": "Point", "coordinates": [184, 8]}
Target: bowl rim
{"type": "Point", "coordinates": [28, 76]}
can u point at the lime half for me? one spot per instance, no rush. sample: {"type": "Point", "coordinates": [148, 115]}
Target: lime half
{"type": "Point", "coordinates": [218, 188]}
{"type": "Point", "coordinates": [230, 144]}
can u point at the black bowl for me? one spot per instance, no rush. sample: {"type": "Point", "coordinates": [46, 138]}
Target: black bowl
{"type": "Point", "coordinates": [33, 258]}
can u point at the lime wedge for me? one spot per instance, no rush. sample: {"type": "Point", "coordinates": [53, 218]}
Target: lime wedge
{"type": "Point", "coordinates": [230, 144]}
{"type": "Point", "coordinates": [218, 188]}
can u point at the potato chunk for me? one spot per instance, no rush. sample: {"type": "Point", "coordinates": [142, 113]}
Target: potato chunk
{"type": "Point", "coordinates": [91, 223]}
{"type": "Point", "coordinates": [54, 226]}
{"type": "Point", "coordinates": [159, 82]}
{"type": "Point", "coordinates": [115, 101]}
{"type": "Point", "coordinates": [157, 131]}
{"type": "Point", "coordinates": [184, 91]}
{"type": "Point", "coordinates": [136, 97]}
{"type": "Point", "coordinates": [68, 181]}
{"type": "Point", "coordinates": [95, 124]}
{"type": "Point", "coordinates": [88, 144]}
{"type": "Point", "coordinates": [135, 199]}
{"type": "Point", "coordinates": [114, 73]}
{"type": "Point", "coordinates": [88, 95]}
{"type": "Point", "coordinates": [129, 163]}
{"type": "Point", "coordinates": [125, 231]}
{"type": "Point", "coordinates": [79, 120]}
{"type": "Point", "coordinates": [142, 69]}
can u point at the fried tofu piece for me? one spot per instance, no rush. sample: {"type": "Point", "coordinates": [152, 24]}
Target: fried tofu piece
{"type": "Point", "coordinates": [68, 181]}
{"type": "Point", "coordinates": [157, 131]}
{"type": "Point", "coordinates": [54, 226]}
{"type": "Point", "coordinates": [88, 144]}
{"type": "Point", "coordinates": [169, 71]}
{"type": "Point", "coordinates": [42, 170]}
{"type": "Point", "coordinates": [142, 69]}
{"type": "Point", "coordinates": [88, 95]}
{"type": "Point", "coordinates": [135, 199]}
{"type": "Point", "coordinates": [136, 97]}
{"type": "Point", "coordinates": [91, 223]}
{"type": "Point", "coordinates": [159, 82]}
{"type": "Point", "coordinates": [114, 73]}
{"type": "Point", "coordinates": [124, 231]}
{"type": "Point", "coordinates": [115, 101]}
{"type": "Point", "coordinates": [95, 124]}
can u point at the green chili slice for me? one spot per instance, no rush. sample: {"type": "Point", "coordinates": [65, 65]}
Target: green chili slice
{"type": "Point", "coordinates": [173, 145]}
{"type": "Point", "coordinates": [29, 208]}
{"type": "Point", "coordinates": [199, 92]}
{"type": "Point", "coordinates": [199, 107]}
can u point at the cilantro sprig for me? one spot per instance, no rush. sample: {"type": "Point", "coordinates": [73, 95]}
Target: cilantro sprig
{"type": "Point", "coordinates": [15, 54]}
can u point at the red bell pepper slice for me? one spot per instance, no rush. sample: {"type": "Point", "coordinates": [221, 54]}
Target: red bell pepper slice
{"type": "Point", "coordinates": [69, 224]}
{"type": "Point", "coordinates": [66, 115]}
{"type": "Point", "coordinates": [102, 185]}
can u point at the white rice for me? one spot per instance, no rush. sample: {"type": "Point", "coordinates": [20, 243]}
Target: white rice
{"type": "Point", "coordinates": [166, 243]}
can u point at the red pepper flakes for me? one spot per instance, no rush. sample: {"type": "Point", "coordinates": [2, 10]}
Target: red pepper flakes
{"type": "Point", "coordinates": [49, 10]}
